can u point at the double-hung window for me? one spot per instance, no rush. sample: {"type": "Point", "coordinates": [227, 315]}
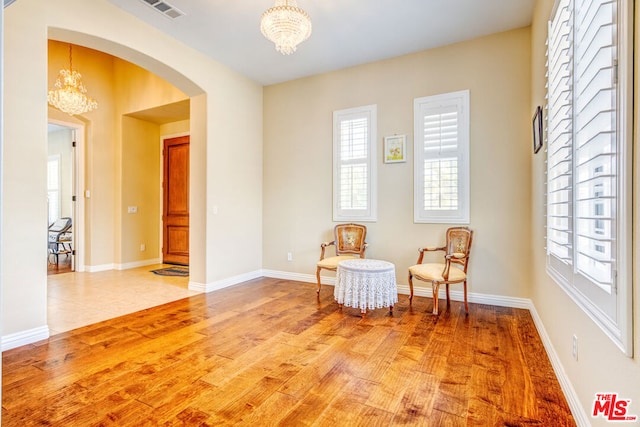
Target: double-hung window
{"type": "Point", "coordinates": [354, 164]}
{"type": "Point", "coordinates": [441, 156]}
{"type": "Point", "coordinates": [588, 159]}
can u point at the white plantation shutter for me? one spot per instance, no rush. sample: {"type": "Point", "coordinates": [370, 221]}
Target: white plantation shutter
{"type": "Point", "coordinates": [595, 140]}
{"type": "Point", "coordinates": [441, 149]}
{"type": "Point", "coordinates": [354, 164]}
{"type": "Point", "coordinates": [559, 136]}
{"type": "Point", "coordinates": [585, 237]}
{"type": "Point", "coordinates": [441, 160]}
{"type": "Point", "coordinates": [354, 152]}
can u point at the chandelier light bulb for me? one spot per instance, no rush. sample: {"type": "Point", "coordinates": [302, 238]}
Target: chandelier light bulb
{"type": "Point", "coordinates": [286, 25]}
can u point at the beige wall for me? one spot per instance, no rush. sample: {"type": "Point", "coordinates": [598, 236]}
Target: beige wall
{"type": "Point", "coordinates": [224, 103]}
{"type": "Point", "coordinates": [601, 366]}
{"type": "Point", "coordinates": [141, 186]}
{"type": "Point", "coordinates": [138, 142]}
{"type": "Point", "coordinates": [298, 159]}
{"type": "Point", "coordinates": [174, 128]}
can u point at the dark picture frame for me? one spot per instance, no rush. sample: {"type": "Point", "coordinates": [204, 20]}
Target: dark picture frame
{"type": "Point", "coordinates": [537, 130]}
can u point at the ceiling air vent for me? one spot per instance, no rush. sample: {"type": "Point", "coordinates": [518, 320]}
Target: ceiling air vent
{"type": "Point", "coordinates": [164, 8]}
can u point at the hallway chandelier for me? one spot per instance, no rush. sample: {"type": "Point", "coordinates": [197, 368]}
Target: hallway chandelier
{"type": "Point", "coordinates": [286, 25]}
{"type": "Point", "coordinates": [69, 97]}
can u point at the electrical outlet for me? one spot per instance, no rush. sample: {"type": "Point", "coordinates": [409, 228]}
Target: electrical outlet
{"type": "Point", "coordinates": [574, 349]}
{"type": "Point", "coordinates": [143, 247]}
{"type": "Point", "coordinates": [289, 256]}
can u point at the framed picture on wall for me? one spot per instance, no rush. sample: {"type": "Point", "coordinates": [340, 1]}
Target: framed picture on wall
{"type": "Point", "coordinates": [537, 130]}
{"type": "Point", "coordinates": [395, 149]}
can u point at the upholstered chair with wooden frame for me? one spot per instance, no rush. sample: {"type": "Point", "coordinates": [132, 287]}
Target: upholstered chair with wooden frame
{"type": "Point", "coordinates": [456, 251]}
{"type": "Point", "coordinates": [349, 242]}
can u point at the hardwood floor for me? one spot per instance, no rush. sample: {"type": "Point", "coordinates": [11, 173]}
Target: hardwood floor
{"type": "Point", "coordinates": [62, 266]}
{"type": "Point", "coordinates": [267, 352]}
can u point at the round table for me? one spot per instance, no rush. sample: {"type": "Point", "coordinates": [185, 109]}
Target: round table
{"type": "Point", "coordinates": [366, 283]}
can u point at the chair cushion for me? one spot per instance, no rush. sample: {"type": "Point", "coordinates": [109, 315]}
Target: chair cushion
{"type": "Point", "coordinates": [433, 273]}
{"type": "Point", "coordinates": [331, 263]}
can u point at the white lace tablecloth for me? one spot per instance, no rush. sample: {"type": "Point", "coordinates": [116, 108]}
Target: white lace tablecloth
{"type": "Point", "coordinates": [366, 283]}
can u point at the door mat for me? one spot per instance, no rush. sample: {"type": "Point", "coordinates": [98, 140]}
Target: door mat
{"type": "Point", "coordinates": [172, 271]}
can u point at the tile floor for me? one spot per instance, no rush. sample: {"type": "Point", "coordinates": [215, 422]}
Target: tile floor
{"type": "Point", "coordinates": [80, 299]}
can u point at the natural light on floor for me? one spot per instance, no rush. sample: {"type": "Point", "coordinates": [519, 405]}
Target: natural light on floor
{"type": "Point", "coordinates": [80, 299]}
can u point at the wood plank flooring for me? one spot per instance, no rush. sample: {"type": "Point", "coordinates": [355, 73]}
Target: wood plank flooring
{"type": "Point", "coordinates": [267, 352]}
{"type": "Point", "coordinates": [63, 265]}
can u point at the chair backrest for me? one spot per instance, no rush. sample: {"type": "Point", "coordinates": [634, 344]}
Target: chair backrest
{"type": "Point", "coordinates": [60, 225]}
{"type": "Point", "coordinates": [350, 238]}
{"type": "Point", "coordinates": [459, 241]}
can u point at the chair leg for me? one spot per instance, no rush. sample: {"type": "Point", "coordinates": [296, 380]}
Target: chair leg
{"type": "Point", "coordinates": [448, 299]}
{"type": "Point", "coordinates": [436, 287]}
{"type": "Point", "coordinates": [318, 279]}
{"type": "Point", "coordinates": [410, 289]}
{"type": "Point", "coordinates": [466, 305]}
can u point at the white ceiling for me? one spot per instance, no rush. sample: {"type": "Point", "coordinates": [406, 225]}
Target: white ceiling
{"type": "Point", "coordinates": [345, 32]}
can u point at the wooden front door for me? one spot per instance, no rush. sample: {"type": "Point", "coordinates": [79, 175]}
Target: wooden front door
{"type": "Point", "coordinates": [175, 218]}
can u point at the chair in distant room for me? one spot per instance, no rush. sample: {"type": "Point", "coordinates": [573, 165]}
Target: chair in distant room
{"type": "Point", "coordinates": [60, 238]}
{"type": "Point", "coordinates": [456, 252]}
{"type": "Point", "coordinates": [349, 242]}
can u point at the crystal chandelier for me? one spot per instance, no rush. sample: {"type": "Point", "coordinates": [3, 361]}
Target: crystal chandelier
{"type": "Point", "coordinates": [286, 25]}
{"type": "Point", "coordinates": [69, 97]}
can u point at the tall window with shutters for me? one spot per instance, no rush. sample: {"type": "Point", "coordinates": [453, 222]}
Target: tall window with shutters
{"type": "Point", "coordinates": [588, 159]}
{"type": "Point", "coordinates": [441, 155]}
{"type": "Point", "coordinates": [354, 164]}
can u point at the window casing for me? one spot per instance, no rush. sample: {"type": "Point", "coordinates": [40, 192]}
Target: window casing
{"type": "Point", "coordinates": [354, 164]}
{"type": "Point", "coordinates": [588, 160]}
{"type": "Point", "coordinates": [441, 156]}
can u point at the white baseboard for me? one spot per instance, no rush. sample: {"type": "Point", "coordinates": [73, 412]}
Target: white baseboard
{"type": "Point", "coordinates": [298, 277]}
{"type": "Point", "coordinates": [99, 268]}
{"type": "Point", "coordinates": [137, 264]}
{"type": "Point", "coordinates": [125, 266]}
{"type": "Point", "coordinates": [196, 286]}
{"type": "Point", "coordinates": [24, 337]}
{"type": "Point", "coordinates": [224, 283]}
{"type": "Point", "coordinates": [455, 295]}
{"type": "Point", "coordinates": [577, 410]}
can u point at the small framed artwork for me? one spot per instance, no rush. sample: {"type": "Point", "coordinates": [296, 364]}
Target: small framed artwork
{"type": "Point", "coordinates": [395, 149]}
{"type": "Point", "coordinates": [537, 130]}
